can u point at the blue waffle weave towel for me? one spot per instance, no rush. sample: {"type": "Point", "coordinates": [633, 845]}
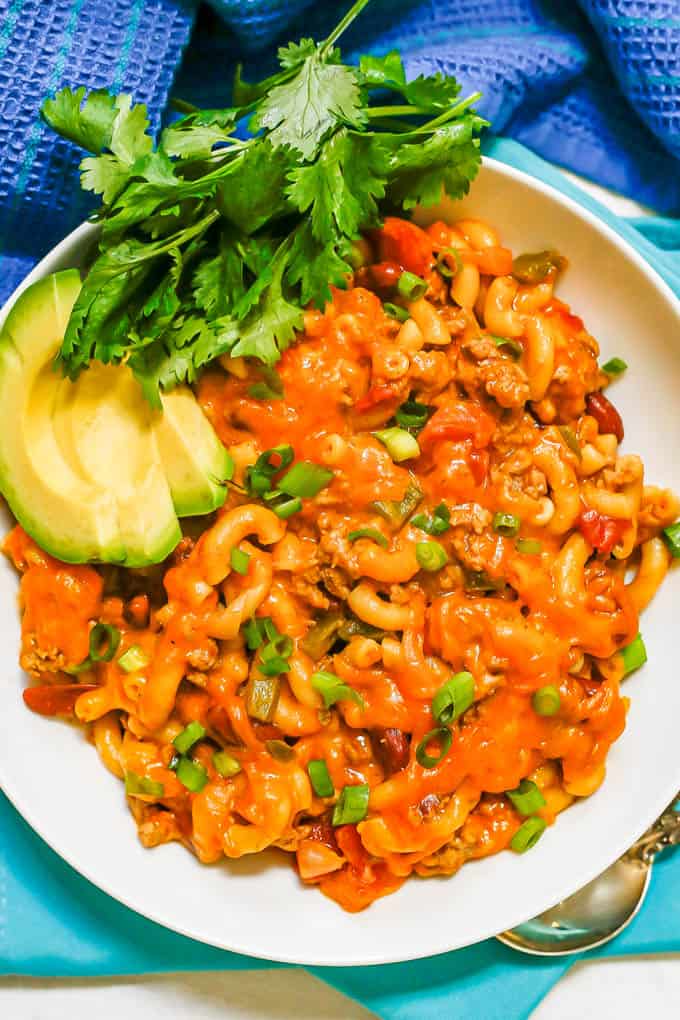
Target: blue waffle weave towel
{"type": "Point", "coordinates": [594, 86]}
{"type": "Point", "coordinates": [562, 80]}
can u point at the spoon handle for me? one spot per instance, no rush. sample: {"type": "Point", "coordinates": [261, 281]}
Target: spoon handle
{"type": "Point", "coordinates": [664, 833]}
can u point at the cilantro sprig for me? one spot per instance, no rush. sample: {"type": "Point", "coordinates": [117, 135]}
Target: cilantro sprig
{"type": "Point", "coordinates": [213, 243]}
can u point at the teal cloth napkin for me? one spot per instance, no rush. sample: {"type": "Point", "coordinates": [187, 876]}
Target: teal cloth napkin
{"type": "Point", "coordinates": [53, 923]}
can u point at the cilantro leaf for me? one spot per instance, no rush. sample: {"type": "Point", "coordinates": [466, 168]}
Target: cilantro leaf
{"type": "Point", "coordinates": [218, 281]}
{"type": "Point", "coordinates": [196, 134]}
{"type": "Point", "coordinates": [271, 325]}
{"type": "Point", "coordinates": [105, 175]}
{"type": "Point", "coordinates": [432, 92]}
{"type": "Point", "coordinates": [129, 140]}
{"type": "Point", "coordinates": [315, 267]}
{"type": "Point", "coordinates": [252, 190]}
{"type": "Point", "coordinates": [89, 124]}
{"type": "Point", "coordinates": [294, 54]}
{"type": "Point", "coordinates": [170, 288]}
{"type": "Point", "coordinates": [302, 111]}
{"type": "Point", "coordinates": [340, 189]}
{"type": "Point", "coordinates": [382, 71]}
{"type": "Point", "coordinates": [178, 358]}
{"type": "Point", "coordinates": [446, 161]}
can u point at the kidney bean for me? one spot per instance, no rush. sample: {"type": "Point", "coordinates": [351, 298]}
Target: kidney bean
{"type": "Point", "coordinates": [391, 748]}
{"type": "Point", "coordinates": [605, 414]}
{"type": "Point", "coordinates": [385, 275]}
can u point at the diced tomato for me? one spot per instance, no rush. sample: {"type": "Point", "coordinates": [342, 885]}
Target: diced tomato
{"type": "Point", "coordinates": [406, 244]}
{"type": "Point", "coordinates": [349, 841]}
{"type": "Point", "coordinates": [322, 831]}
{"type": "Point", "coordinates": [462, 420]}
{"type": "Point", "coordinates": [600, 531]}
{"type": "Point", "coordinates": [495, 261]}
{"type": "Point", "coordinates": [55, 699]}
{"type": "Point", "coordinates": [376, 395]}
{"type": "Point", "coordinates": [479, 465]}
{"type": "Point", "coordinates": [562, 311]}
{"type": "Point", "coordinates": [315, 859]}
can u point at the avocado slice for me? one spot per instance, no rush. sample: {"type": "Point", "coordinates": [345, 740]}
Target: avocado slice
{"type": "Point", "coordinates": [68, 517]}
{"type": "Point", "coordinates": [196, 463]}
{"type": "Point", "coordinates": [103, 427]}
{"type": "Point", "coordinates": [88, 469]}
{"type": "Point", "coordinates": [79, 462]}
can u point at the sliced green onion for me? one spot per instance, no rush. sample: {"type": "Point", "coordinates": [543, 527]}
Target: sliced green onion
{"type": "Point", "coordinates": [530, 546]}
{"type": "Point", "coordinates": [615, 366]}
{"type": "Point", "coordinates": [279, 644]}
{"type": "Point", "coordinates": [140, 786]}
{"type": "Point", "coordinates": [352, 805]}
{"type": "Point", "coordinates": [274, 666]}
{"type": "Point", "coordinates": [332, 689]}
{"type": "Point", "coordinates": [513, 346]}
{"type": "Point", "coordinates": [528, 835]}
{"type": "Point", "coordinates": [395, 311]}
{"type": "Point", "coordinates": [320, 778]}
{"type": "Point", "coordinates": [634, 655]}
{"type": "Point", "coordinates": [546, 700]}
{"type": "Point", "coordinates": [444, 268]}
{"type": "Point", "coordinates": [258, 478]}
{"type": "Point", "coordinates": [453, 698]}
{"type": "Point", "coordinates": [431, 556]}
{"type": "Point", "coordinates": [257, 482]}
{"type": "Point", "coordinates": [527, 799]}
{"type": "Point", "coordinates": [671, 536]}
{"type": "Point", "coordinates": [80, 667]}
{"type": "Point", "coordinates": [262, 695]}
{"type": "Point", "coordinates": [276, 459]}
{"type": "Point", "coordinates": [279, 750]}
{"type": "Point", "coordinates": [442, 736]}
{"type": "Point", "coordinates": [239, 560]}
{"type": "Point", "coordinates": [288, 508]}
{"type": "Point", "coordinates": [437, 524]}
{"type": "Point", "coordinates": [104, 641]}
{"type": "Point", "coordinates": [506, 524]}
{"type": "Point", "coordinates": [191, 774]}
{"type": "Point", "coordinates": [411, 286]}
{"type": "Point", "coordinates": [189, 736]}
{"type": "Point", "coordinates": [269, 628]}
{"type": "Point", "coordinates": [319, 639]}
{"type": "Point", "coordinates": [133, 658]}
{"type": "Point", "coordinates": [412, 414]}
{"type": "Point", "coordinates": [570, 438]}
{"type": "Point", "coordinates": [253, 634]}
{"type": "Point", "coordinates": [397, 512]}
{"type": "Point", "coordinates": [225, 764]}
{"type": "Point", "coordinates": [372, 533]}
{"type": "Point", "coordinates": [400, 444]}
{"type": "Point", "coordinates": [305, 480]}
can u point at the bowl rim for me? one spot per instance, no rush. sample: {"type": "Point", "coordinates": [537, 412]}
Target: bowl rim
{"type": "Point", "coordinates": [66, 252]}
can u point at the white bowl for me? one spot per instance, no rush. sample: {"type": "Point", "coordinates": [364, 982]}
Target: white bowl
{"type": "Point", "coordinates": [257, 905]}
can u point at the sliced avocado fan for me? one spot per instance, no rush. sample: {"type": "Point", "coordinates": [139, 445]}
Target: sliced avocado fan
{"type": "Point", "coordinates": [89, 471]}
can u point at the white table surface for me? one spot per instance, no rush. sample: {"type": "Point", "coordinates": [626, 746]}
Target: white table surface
{"type": "Point", "coordinates": [632, 988]}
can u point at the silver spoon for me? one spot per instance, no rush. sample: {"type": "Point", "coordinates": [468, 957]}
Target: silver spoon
{"type": "Point", "coordinates": [604, 907]}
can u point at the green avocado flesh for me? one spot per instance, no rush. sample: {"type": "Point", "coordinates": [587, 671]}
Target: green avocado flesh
{"type": "Point", "coordinates": [89, 471]}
